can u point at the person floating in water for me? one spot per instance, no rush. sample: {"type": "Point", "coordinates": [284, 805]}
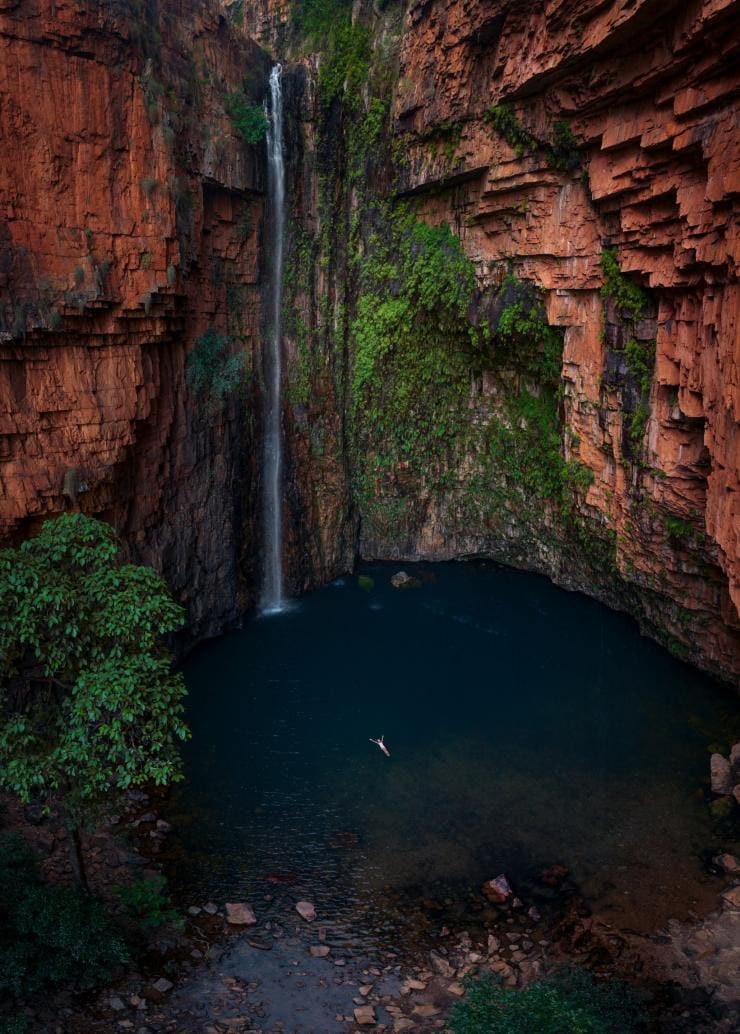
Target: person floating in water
{"type": "Point", "coordinates": [379, 743]}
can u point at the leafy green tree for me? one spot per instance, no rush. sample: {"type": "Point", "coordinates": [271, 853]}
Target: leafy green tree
{"type": "Point", "coordinates": [89, 705]}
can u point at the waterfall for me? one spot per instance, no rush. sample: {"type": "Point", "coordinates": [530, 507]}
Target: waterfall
{"type": "Point", "coordinates": [272, 502]}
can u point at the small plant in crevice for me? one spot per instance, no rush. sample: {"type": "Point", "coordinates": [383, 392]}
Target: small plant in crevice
{"type": "Point", "coordinates": [677, 529]}
{"type": "Point", "coordinates": [214, 371]}
{"type": "Point", "coordinates": [631, 303]}
{"type": "Point", "coordinates": [561, 152]}
{"type": "Point", "coordinates": [629, 298]}
{"type": "Point", "coordinates": [249, 120]}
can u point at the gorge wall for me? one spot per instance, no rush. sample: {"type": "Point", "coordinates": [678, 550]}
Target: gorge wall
{"type": "Point", "coordinates": [130, 226]}
{"type": "Point", "coordinates": [511, 305]}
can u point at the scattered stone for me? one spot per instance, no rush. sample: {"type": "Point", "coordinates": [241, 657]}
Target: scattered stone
{"type": "Point", "coordinates": [365, 1016]}
{"type": "Point", "coordinates": [365, 989]}
{"type": "Point", "coordinates": [306, 910]}
{"type": "Point", "coordinates": [239, 913]}
{"type": "Point", "coordinates": [534, 914]}
{"type": "Point", "coordinates": [732, 897]}
{"type": "Point", "coordinates": [116, 1004]}
{"type": "Point", "coordinates": [721, 773]}
{"type": "Point", "coordinates": [211, 908]}
{"type": "Point", "coordinates": [163, 985]}
{"type": "Point", "coordinates": [728, 862]}
{"type": "Point", "coordinates": [441, 965]}
{"type": "Point", "coordinates": [319, 951]}
{"type": "Point", "coordinates": [456, 989]}
{"type": "Point", "coordinates": [735, 755]}
{"type": "Point", "coordinates": [259, 943]}
{"type": "Point", "coordinates": [425, 1009]}
{"type": "Point", "coordinates": [194, 910]}
{"type": "Point", "coordinates": [498, 890]}
{"type": "Point", "coordinates": [403, 1023]}
{"type": "Point", "coordinates": [415, 985]}
{"type": "Point", "coordinates": [402, 580]}
{"type": "Point", "coordinates": [493, 944]}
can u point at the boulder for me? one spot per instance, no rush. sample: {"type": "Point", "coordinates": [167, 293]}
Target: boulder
{"type": "Point", "coordinates": [306, 910]}
{"type": "Point", "coordinates": [721, 772]}
{"type": "Point", "coordinates": [402, 580]}
{"type": "Point", "coordinates": [238, 913]}
{"type": "Point", "coordinates": [498, 890]}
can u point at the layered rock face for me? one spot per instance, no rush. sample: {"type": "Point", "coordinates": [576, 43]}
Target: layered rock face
{"type": "Point", "coordinates": [130, 217]}
{"type": "Point", "coordinates": [649, 92]}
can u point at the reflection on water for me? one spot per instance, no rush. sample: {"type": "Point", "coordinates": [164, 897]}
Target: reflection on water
{"type": "Point", "coordinates": [527, 726]}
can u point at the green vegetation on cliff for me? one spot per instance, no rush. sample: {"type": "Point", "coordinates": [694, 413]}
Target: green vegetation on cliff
{"type": "Point", "coordinates": [89, 705]}
{"type": "Point", "coordinates": [213, 372]}
{"type": "Point", "coordinates": [250, 120]}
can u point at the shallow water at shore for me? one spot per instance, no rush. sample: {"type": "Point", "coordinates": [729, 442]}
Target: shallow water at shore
{"type": "Point", "coordinates": [527, 726]}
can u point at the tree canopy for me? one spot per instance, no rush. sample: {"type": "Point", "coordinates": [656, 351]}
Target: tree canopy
{"type": "Point", "coordinates": [89, 705]}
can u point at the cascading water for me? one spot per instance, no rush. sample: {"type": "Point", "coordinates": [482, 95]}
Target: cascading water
{"type": "Point", "coordinates": [272, 590]}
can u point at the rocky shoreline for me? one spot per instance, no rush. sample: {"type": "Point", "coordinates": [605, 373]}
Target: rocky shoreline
{"type": "Point", "coordinates": [270, 966]}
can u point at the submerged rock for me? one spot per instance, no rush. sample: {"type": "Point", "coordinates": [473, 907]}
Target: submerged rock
{"type": "Point", "coordinates": [402, 580]}
{"type": "Point", "coordinates": [238, 913]}
{"type": "Point", "coordinates": [306, 910]}
{"type": "Point", "coordinates": [498, 890]}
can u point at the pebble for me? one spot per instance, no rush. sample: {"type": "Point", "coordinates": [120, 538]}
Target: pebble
{"type": "Point", "coordinates": [116, 1003]}
{"type": "Point", "coordinates": [319, 951]}
{"type": "Point", "coordinates": [306, 910]}
{"type": "Point", "coordinates": [211, 908]}
{"type": "Point", "coordinates": [163, 985]}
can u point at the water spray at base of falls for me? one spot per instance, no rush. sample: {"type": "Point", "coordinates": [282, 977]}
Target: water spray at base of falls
{"type": "Point", "coordinates": [272, 601]}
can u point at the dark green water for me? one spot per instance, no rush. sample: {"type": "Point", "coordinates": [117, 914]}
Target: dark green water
{"type": "Point", "coordinates": [527, 726]}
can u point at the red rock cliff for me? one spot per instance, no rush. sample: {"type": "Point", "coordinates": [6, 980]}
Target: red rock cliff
{"type": "Point", "coordinates": [130, 215]}
{"type": "Point", "coordinates": [649, 90]}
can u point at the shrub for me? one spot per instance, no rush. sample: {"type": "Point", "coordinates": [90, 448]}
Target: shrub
{"type": "Point", "coordinates": [629, 298]}
{"type": "Point", "coordinates": [504, 120]}
{"type": "Point", "coordinates": [50, 935]}
{"type": "Point", "coordinates": [148, 902]}
{"type": "Point", "coordinates": [249, 120]}
{"type": "Point", "coordinates": [677, 529]}
{"type": "Point", "coordinates": [572, 1002]}
{"type": "Point", "coordinates": [212, 372]}
{"type": "Point", "coordinates": [563, 152]}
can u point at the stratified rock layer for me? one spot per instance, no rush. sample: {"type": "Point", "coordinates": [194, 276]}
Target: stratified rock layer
{"type": "Point", "coordinates": [130, 215]}
{"type": "Point", "coordinates": [650, 92]}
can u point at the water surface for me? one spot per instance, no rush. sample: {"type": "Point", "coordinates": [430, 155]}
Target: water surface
{"type": "Point", "coordinates": [527, 726]}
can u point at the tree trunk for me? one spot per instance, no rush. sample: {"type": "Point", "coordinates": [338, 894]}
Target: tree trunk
{"type": "Point", "coordinates": [75, 857]}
